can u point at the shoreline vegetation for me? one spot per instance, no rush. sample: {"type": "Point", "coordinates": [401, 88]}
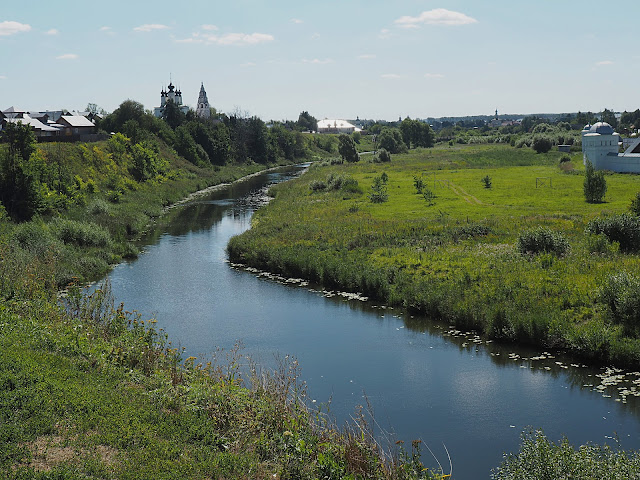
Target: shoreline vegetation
{"type": "Point", "coordinates": [90, 390]}
{"type": "Point", "coordinates": [448, 244]}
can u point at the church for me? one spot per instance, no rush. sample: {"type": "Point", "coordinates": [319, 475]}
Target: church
{"type": "Point", "coordinates": [600, 146]}
{"type": "Point", "coordinates": [175, 95]}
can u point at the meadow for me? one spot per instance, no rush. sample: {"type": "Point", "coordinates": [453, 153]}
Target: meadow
{"type": "Point", "coordinates": [451, 251]}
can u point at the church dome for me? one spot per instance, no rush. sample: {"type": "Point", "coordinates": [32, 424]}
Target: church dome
{"type": "Point", "coordinates": [602, 128]}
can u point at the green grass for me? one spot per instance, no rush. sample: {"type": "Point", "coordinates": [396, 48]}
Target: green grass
{"type": "Point", "coordinates": [457, 259]}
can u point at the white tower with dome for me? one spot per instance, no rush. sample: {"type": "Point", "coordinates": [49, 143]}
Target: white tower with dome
{"type": "Point", "coordinates": [600, 145]}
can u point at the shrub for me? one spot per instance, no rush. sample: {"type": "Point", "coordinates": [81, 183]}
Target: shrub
{"type": "Point", "coordinates": [418, 183]}
{"type": "Point", "coordinates": [635, 205]}
{"type": "Point", "coordinates": [624, 229]}
{"type": "Point", "coordinates": [565, 159]}
{"type": "Point", "coordinates": [379, 190]}
{"type": "Point", "coordinates": [541, 144]}
{"type": "Point", "coordinates": [99, 207]}
{"type": "Point", "coordinates": [486, 180]}
{"type": "Point", "coordinates": [317, 186]}
{"type": "Point", "coordinates": [595, 185]}
{"type": "Point", "coordinates": [540, 240]}
{"type": "Point", "coordinates": [81, 233]}
{"type": "Point", "coordinates": [347, 149]}
{"type": "Point", "coordinates": [621, 294]}
{"type": "Point", "coordinates": [34, 237]}
{"type": "Point", "coordinates": [384, 156]}
{"type": "Point", "coordinates": [429, 196]}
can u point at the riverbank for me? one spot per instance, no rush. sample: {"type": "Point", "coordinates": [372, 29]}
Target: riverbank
{"type": "Point", "coordinates": [90, 390]}
{"type": "Point", "coordinates": [454, 255]}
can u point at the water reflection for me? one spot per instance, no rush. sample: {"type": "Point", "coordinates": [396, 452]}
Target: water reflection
{"type": "Point", "coordinates": [424, 378]}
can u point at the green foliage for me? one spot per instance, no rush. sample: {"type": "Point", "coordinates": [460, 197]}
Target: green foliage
{"type": "Point", "coordinates": [379, 192]}
{"type": "Point", "coordinates": [384, 156]}
{"type": "Point", "coordinates": [542, 239]}
{"type": "Point", "coordinates": [82, 234]}
{"type": "Point", "coordinates": [595, 185]}
{"type": "Point", "coordinates": [145, 162]}
{"type": "Point", "coordinates": [391, 140]}
{"type": "Point", "coordinates": [418, 182]}
{"type": "Point", "coordinates": [307, 122]}
{"type": "Point", "coordinates": [486, 181]}
{"type": "Point", "coordinates": [541, 144]}
{"type": "Point", "coordinates": [634, 208]}
{"type": "Point", "coordinates": [621, 293]}
{"type": "Point", "coordinates": [623, 229]}
{"type": "Point", "coordinates": [429, 196]}
{"type": "Point", "coordinates": [347, 149]}
{"type": "Point", "coordinates": [416, 133]}
{"type": "Point", "coordinates": [541, 459]}
{"type": "Point", "coordinates": [356, 137]}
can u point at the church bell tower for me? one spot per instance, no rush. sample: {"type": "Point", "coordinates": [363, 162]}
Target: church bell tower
{"type": "Point", "coordinates": [203, 109]}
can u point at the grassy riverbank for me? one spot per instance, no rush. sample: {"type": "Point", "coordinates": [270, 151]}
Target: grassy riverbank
{"type": "Point", "coordinates": [453, 254]}
{"type": "Point", "coordinates": [89, 390]}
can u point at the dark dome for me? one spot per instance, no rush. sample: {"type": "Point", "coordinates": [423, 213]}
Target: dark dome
{"type": "Point", "coordinates": [602, 128]}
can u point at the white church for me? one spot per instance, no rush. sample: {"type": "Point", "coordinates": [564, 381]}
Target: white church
{"type": "Point", "coordinates": [202, 110]}
{"type": "Point", "coordinates": [601, 146]}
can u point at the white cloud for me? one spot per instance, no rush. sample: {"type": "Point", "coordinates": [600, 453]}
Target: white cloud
{"type": "Point", "coordinates": [394, 76]}
{"type": "Point", "coordinates": [367, 56]}
{"type": "Point", "coordinates": [248, 64]}
{"type": "Point", "coordinates": [149, 27]}
{"type": "Point", "coordinates": [604, 63]}
{"type": "Point", "coordinates": [236, 39]}
{"type": "Point", "coordinates": [433, 75]}
{"type": "Point", "coordinates": [3, 77]}
{"type": "Point", "coordinates": [317, 61]}
{"type": "Point", "coordinates": [209, 28]}
{"type": "Point", "coordinates": [384, 33]}
{"type": "Point", "coordinates": [67, 56]}
{"type": "Point", "coordinates": [439, 16]}
{"type": "Point", "coordinates": [297, 21]}
{"type": "Point", "coordinates": [10, 28]}
{"type": "Point", "coordinates": [53, 31]}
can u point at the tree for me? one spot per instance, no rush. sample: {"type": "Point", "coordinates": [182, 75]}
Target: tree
{"type": "Point", "coordinates": [19, 183]}
{"type": "Point", "coordinates": [307, 122]}
{"type": "Point", "coordinates": [541, 144]}
{"type": "Point", "coordinates": [391, 140]}
{"type": "Point", "coordinates": [173, 115]}
{"type": "Point", "coordinates": [595, 185]}
{"type": "Point", "coordinates": [610, 117]}
{"type": "Point", "coordinates": [347, 148]}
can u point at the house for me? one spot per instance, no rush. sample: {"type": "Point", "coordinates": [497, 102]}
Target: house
{"type": "Point", "coordinates": [76, 125]}
{"type": "Point", "coordinates": [601, 145]}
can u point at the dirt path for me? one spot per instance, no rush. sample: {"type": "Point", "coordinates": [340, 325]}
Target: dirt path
{"type": "Point", "coordinates": [470, 199]}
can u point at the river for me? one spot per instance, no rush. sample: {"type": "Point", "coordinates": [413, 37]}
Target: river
{"type": "Point", "coordinates": [423, 379]}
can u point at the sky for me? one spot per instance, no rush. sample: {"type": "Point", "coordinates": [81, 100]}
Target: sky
{"type": "Point", "coordinates": [377, 59]}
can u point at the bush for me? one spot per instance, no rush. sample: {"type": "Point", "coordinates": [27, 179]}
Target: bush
{"type": "Point", "coordinates": [624, 229]}
{"type": "Point", "coordinates": [429, 196]}
{"type": "Point", "coordinates": [486, 180]}
{"type": "Point", "coordinates": [595, 185]}
{"type": "Point", "coordinates": [418, 183]}
{"type": "Point", "coordinates": [540, 240]}
{"type": "Point", "coordinates": [541, 144]}
{"type": "Point", "coordinates": [635, 205]}
{"type": "Point", "coordinates": [379, 190]}
{"type": "Point", "coordinates": [82, 234]}
{"type": "Point", "coordinates": [384, 156]}
{"type": "Point", "coordinates": [317, 186]}
{"type": "Point", "coordinates": [621, 294]}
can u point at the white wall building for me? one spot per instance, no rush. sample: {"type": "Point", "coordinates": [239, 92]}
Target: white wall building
{"type": "Point", "coordinates": [601, 145]}
{"type": "Point", "coordinates": [203, 110]}
{"type": "Point", "coordinates": [336, 126]}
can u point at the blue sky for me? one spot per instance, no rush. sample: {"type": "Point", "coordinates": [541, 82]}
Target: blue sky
{"type": "Point", "coordinates": [378, 59]}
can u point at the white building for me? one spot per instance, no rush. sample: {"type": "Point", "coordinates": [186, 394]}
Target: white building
{"type": "Point", "coordinates": [601, 145]}
{"type": "Point", "coordinates": [203, 110]}
{"type": "Point", "coordinates": [336, 126]}
{"type": "Point", "coordinates": [170, 94]}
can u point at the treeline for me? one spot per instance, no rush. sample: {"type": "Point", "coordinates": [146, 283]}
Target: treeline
{"type": "Point", "coordinates": [218, 140]}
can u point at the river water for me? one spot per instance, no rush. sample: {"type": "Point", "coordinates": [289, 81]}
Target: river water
{"type": "Point", "coordinates": [423, 379]}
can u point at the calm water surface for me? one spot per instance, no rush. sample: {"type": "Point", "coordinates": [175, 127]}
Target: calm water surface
{"type": "Point", "coordinates": [424, 380]}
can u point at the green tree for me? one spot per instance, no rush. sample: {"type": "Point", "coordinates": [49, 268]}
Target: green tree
{"type": "Point", "coordinates": [307, 122]}
{"type": "Point", "coordinates": [541, 144]}
{"type": "Point", "coordinates": [595, 185]}
{"type": "Point", "coordinates": [347, 148]}
{"type": "Point", "coordinates": [610, 117]}
{"type": "Point", "coordinates": [391, 140]}
{"type": "Point", "coordinates": [146, 163]}
{"type": "Point", "coordinates": [19, 183]}
{"type": "Point", "coordinates": [173, 115]}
